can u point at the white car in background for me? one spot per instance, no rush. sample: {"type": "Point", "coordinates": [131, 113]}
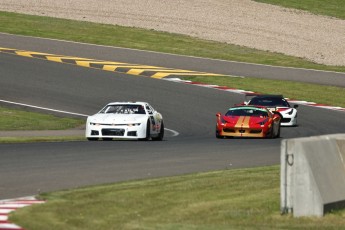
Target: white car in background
{"type": "Point", "coordinates": [125, 120]}
{"type": "Point", "coordinates": [275, 103]}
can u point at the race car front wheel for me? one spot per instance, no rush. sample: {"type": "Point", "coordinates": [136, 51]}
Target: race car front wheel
{"type": "Point", "coordinates": [160, 135]}
{"type": "Point", "coordinates": [278, 132]}
{"type": "Point", "coordinates": [148, 132]}
{"type": "Point", "coordinates": [217, 134]}
{"type": "Point", "coordinates": [92, 139]}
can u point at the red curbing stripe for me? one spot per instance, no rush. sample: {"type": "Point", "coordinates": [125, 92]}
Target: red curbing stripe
{"type": "Point", "coordinates": [224, 88]}
{"type": "Point", "coordinates": [26, 202]}
{"type": "Point", "coordinates": [11, 228]}
{"type": "Point", "coordinates": [13, 205]}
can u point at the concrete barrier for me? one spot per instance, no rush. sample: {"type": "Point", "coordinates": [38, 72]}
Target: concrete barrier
{"type": "Point", "coordinates": [312, 175]}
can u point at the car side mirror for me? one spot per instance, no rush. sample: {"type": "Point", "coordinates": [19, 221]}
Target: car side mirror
{"type": "Point", "coordinates": [276, 116]}
{"type": "Point", "coordinates": [218, 115]}
{"type": "Point", "coordinates": [295, 106]}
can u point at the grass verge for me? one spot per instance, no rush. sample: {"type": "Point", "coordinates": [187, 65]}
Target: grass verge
{"type": "Point", "coordinates": [15, 119]}
{"type": "Point", "coordinates": [19, 120]}
{"type": "Point", "coordinates": [330, 95]}
{"type": "Point", "coordinates": [129, 37]}
{"type": "Point", "coordinates": [334, 8]}
{"type": "Point", "coordinates": [7, 140]}
{"type": "Point", "coordinates": [229, 199]}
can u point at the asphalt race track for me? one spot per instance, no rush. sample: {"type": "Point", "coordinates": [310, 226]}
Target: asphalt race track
{"type": "Point", "coordinates": [28, 169]}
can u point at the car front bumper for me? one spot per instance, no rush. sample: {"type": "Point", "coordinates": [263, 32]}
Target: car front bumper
{"type": "Point", "coordinates": [242, 132]}
{"type": "Point", "coordinates": [118, 132]}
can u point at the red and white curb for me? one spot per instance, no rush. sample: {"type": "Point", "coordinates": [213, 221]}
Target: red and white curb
{"type": "Point", "coordinates": [240, 91]}
{"type": "Point", "coordinates": [8, 206]}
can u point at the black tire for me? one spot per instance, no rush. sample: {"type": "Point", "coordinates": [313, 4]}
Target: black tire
{"type": "Point", "coordinates": [278, 134]}
{"type": "Point", "coordinates": [217, 134]}
{"type": "Point", "coordinates": [148, 132]}
{"type": "Point", "coordinates": [271, 133]}
{"type": "Point", "coordinates": [92, 139]}
{"type": "Point", "coordinates": [160, 135]}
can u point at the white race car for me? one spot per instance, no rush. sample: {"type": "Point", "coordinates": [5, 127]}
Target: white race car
{"type": "Point", "coordinates": [125, 120]}
{"type": "Point", "coordinates": [275, 103]}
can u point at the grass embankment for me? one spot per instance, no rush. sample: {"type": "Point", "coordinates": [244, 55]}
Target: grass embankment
{"type": "Point", "coordinates": [230, 199]}
{"type": "Point", "coordinates": [19, 120]}
{"type": "Point", "coordinates": [328, 95]}
{"type": "Point", "coordinates": [15, 119]}
{"type": "Point", "coordinates": [334, 8]}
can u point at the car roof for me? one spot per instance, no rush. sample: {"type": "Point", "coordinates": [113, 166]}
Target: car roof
{"type": "Point", "coordinates": [268, 96]}
{"type": "Point", "coordinates": [249, 107]}
{"type": "Point", "coordinates": [128, 102]}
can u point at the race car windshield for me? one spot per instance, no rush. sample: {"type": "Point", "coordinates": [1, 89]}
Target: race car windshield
{"type": "Point", "coordinates": [269, 102]}
{"type": "Point", "coordinates": [124, 109]}
{"type": "Point", "coordinates": [247, 112]}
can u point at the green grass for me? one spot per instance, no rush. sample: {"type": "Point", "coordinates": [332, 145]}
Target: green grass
{"type": "Point", "coordinates": [230, 199]}
{"type": "Point", "coordinates": [19, 120]}
{"type": "Point", "coordinates": [144, 39]}
{"type": "Point", "coordinates": [4, 140]}
{"type": "Point", "coordinates": [14, 119]}
{"type": "Point", "coordinates": [334, 8]}
{"type": "Point", "coordinates": [328, 95]}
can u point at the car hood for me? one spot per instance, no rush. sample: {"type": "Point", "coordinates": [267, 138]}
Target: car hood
{"type": "Point", "coordinates": [245, 121]}
{"type": "Point", "coordinates": [278, 108]}
{"type": "Point", "coordinates": [116, 118]}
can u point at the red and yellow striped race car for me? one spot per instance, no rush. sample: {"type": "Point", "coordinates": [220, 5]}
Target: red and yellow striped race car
{"type": "Point", "coordinates": [248, 121]}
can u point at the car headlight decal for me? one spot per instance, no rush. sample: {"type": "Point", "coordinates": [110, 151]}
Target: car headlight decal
{"type": "Point", "coordinates": [263, 122]}
{"type": "Point", "coordinates": [134, 124]}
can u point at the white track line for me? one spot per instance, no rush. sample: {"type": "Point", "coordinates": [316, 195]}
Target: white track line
{"type": "Point", "coordinates": [43, 108]}
{"type": "Point", "coordinates": [175, 133]}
